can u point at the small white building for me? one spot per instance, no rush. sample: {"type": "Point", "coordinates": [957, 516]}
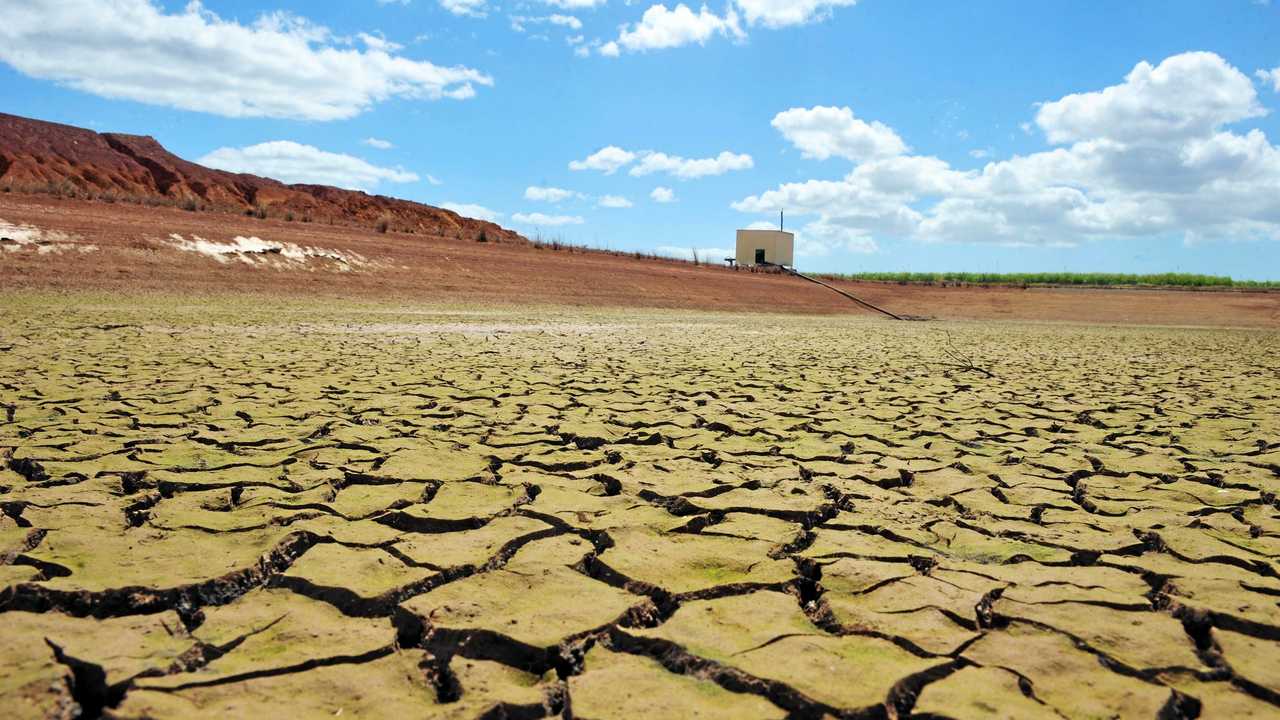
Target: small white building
{"type": "Point", "coordinates": [766, 247]}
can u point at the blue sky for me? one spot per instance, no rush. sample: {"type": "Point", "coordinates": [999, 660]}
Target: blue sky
{"type": "Point", "coordinates": [1005, 136]}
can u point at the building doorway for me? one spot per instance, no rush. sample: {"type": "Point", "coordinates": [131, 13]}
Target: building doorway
{"type": "Point", "coordinates": [759, 256]}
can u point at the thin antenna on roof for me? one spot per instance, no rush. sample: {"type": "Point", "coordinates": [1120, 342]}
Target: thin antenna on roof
{"type": "Point", "coordinates": [781, 216]}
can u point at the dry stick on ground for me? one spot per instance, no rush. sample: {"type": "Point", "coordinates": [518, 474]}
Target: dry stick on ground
{"type": "Point", "coordinates": [961, 361]}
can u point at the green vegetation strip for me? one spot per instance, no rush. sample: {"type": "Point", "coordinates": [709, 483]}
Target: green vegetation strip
{"type": "Point", "coordinates": [1180, 280]}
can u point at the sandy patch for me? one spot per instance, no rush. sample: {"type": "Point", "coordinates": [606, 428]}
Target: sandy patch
{"type": "Point", "coordinates": [269, 253]}
{"type": "Point", "coordinates": [29, 238]}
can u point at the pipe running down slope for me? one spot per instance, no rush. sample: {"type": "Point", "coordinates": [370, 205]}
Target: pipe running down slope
{"type": "Point", "coordinates": [857, 300]}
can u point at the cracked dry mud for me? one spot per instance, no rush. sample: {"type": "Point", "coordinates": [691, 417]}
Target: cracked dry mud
{"type": "Point", "coordinates": [235, 511]}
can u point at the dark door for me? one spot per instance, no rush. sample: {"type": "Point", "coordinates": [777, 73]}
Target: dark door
{"type": "Point", "coordinates": [759, 256]}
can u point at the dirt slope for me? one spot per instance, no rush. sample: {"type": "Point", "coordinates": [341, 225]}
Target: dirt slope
{"type": "Point", "coordinates": [38, 156]}
{"type": "Point", "coordinates": [118, 247]}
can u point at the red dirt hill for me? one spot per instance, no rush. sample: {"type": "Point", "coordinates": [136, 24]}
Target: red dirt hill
{"type": "Point", "coordinates": [45, 157]}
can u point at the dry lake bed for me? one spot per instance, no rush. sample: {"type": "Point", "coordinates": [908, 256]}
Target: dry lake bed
{"type": "Point", "coordinates": [222, 508]}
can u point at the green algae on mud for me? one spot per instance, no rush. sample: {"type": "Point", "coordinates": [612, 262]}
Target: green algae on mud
{"type": "Point", "coordinates": [226, 507]}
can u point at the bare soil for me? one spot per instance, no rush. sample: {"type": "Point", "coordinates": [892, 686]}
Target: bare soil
{"type": "Point", "coordinates": [133, 252]}
{"type": "Point", "coordinates": [226, 510]}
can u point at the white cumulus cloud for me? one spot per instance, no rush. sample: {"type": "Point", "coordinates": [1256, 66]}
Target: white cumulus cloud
{"type": "Point", "coordinates": [376, 41]}
{"type": "Point", "coordinates": [660, 28]}
{"type": "Point", "coordinates": [378, 143]}
{"type": "Point", "coordinates": [549, 194]}
{"type": "Point", "coordinates": [781, 13]}
{"type": "Point", "coordinates": [663, 195]}
{"type": "Point", "coordinates": [281, 66]}
{"type": "Point", "coordinates": [687, 169]}
{"type": "Point", "coordinates": [519, 23]}
{"type": "Point", "coordinates": [568, 21]}
{"type": "Point", "coordinates": [612, 158]}
{"type": "Point", "coordinates": [823, 132]}
{"type": "Point", "coordinates": [1153, 156]}
{"type": "Point", "coordinates": [466, 8]}
{"type": "Point", "coordinates": [1270, 76]}
{"type": "Point", "coordinates": [606, 160]}
{"type": "Point", "coordinates": [574, 4]}
{"type": "Point", "coordinates": [613, 201]}
{"type": "Point", "coordinates": [819, 240]}
{"type": "Point", "coordinates": [1187, 95]}
{"type": "Point", "coordinates": [541, 219]}
{"type": "Point", "coordinates": [292, 162]}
